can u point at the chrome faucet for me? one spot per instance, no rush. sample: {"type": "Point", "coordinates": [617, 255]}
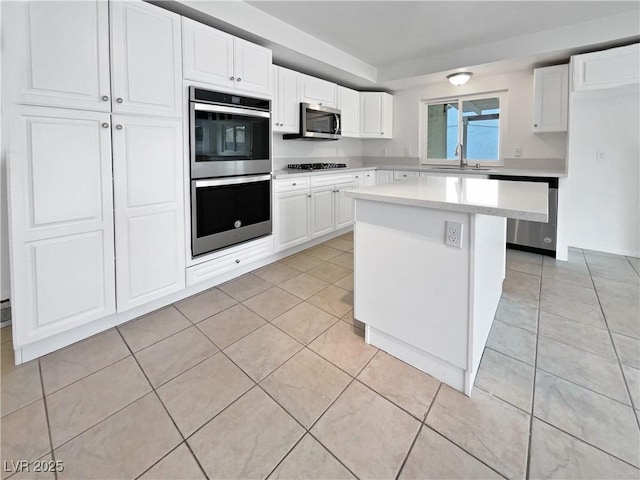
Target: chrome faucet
{"type": "Point", "coordinates": [460, 155]}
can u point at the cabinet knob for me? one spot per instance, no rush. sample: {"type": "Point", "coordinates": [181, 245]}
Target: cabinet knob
{"type": "Point", "coordinates": [105, 125]}
{"type": "Point", "coordinates": [239, 79]}
{"type": "Point", "coordinates": [119, 127]}
{"type": "Point", "coordinates": [294, 184]}
{"type": "Point", "coordinates": [381, 133]}
{"type": "Point", "coordinates": [237, 260]}
{"type": "Point", "coordinates": [119, 100]}
{"type": "Point", "coordinates": [232, 78]}
{"type": "Point", "coordinates": [105, 98]}
{"type": "Point", "coordinates": [535, 124]}
{"type": "Point", "coordinates": [308, 196]}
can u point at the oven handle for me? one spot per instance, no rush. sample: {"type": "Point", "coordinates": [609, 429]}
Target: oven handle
{"type": "Point", "coordinates": [232, 181]}
{"type": "Point", "coordinates": [204, 107]}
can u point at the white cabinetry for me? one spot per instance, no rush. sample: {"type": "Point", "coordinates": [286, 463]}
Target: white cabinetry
{"type": "Point", "coordinates": [376, 115]}
{"type": "Point", "coordinates": [217, 58]}
{"type": "Point", "coordinates": [286, 100]}
{"type": "Point", "coordinates": [58, 53]}
{"type": "Point", "coordinates": [384, 176]}
{"type": "Point", "coordinates": [146, 59]}
{"type": "Point", "coordinates": [291, 212]}
{"type": "Point", "coordinates": [311, 206]}
{"type": "Point", "coordinates": [315, 90]}
{"type": "Point", "coordinates": [349, 106]}
{"type": "Point", "coordinates": [365, 179]}
{"type": "Point", "coordinates": [606, 69]}
{"type": "Point", "coordinates": [61, 220]}
{"type": "Point", "coordinates": [405, 175]}
{"type": "Point", "coordinates": [550, 99]}
{"type": "Point", "coordinates": [149, 219]}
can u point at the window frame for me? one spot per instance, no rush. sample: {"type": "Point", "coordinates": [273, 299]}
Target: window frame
{"type": "Point", "coordinates": [501, 95]}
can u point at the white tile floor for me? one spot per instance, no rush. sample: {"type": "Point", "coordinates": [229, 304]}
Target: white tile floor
{"type": "Point", "coordinates": [268, 375]}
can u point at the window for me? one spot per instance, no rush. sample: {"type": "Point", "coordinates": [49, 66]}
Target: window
{"type": "Point", "coordinates": [468, 126]}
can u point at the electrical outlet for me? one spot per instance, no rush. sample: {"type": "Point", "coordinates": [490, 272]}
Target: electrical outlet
{"type": "Point", "coordinates": [453, 234]}
{"type": "Point", "coordinates": [407, 152]}
{"type": "Point", "coordinates": [517, 152]}
{"type": "Point", "coordinates": [600, 156]}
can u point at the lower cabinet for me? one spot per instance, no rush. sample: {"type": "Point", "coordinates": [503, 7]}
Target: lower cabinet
{"type": "Point", "coordinates": [61, 217]}
{"type": "Point", "coordinates": [309, 207]}
{"type": "Point", "coordinates": [88, 243]}
{"type": "Point", "coordinates": [384, 176]}
{"type": "Point", "coordinates": [149, 218]}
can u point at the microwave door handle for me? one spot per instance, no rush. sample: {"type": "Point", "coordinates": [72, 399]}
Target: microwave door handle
{"type": "Point", "coordinates": [337, 117]}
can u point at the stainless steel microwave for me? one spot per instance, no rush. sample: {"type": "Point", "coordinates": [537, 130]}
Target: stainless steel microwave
{"type": "Point", "coordinates": [317, 122]}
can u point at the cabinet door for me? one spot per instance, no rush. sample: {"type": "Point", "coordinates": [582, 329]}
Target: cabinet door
{"type": "Point", "coordinates": [207, 53]}
{"type": "Point", "coordinates": [61, 219]}
{"type": "Point", "coordinates": [376, 115]}
{"type": "Point", "coordinates": [383, 176]}
{"type": "Point", "coordinates": [551, 98]}
{"type": "Point", "coordinates": [149, 219]}
{"type": "Point", "coordinates": [322, 215]}
{"type": "Point", "coordinates": [146, 59]}
{"type": "Point", "coordinates": [349, 105]}
{"type": "Point", "coordinates": [58, 53]}
{"type": "Point", "coordinates": [364, 179]}
{"type": "Point", "coordinates": [344, 206]}
{"type": "Point", "coordinates": [315, 90]}
{"type": "Point", "coordinates": [606, 69]}
{"type": "Point", "coordinates": [252, 66]}
{"type": "Point", "coordinates": [287, 119]}
{"type": "Point", "coordinates": [291, 215]}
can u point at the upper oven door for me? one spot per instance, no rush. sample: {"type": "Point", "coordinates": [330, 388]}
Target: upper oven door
{"type": "Point", "coordinates": [228, 141]}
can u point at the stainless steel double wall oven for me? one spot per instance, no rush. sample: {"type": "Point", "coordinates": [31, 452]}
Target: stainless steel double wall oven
{"type": "Point", "coordinates": [230, 146]}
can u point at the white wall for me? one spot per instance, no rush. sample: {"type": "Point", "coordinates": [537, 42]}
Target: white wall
{"type": "Point", "coordinates": [303, 151]}
{"type": "Point", "coordinates": [600, 202]}
{"type": "Point", "coordinates": [518, 128]}
{"type": "Point", "coordinates": [5, 285]}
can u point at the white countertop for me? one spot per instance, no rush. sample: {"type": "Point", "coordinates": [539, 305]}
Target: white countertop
{"type": "Point", "coordinates": [520, 200]}
{"type": "Point", "coordinates": [424, 168]}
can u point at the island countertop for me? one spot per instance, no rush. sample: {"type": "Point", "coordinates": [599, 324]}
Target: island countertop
{"type": "Point", "coordinates": [519, 200]}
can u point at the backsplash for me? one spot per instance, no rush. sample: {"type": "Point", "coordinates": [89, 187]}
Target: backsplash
{"type": "Point", "coordinates": [345, 150]}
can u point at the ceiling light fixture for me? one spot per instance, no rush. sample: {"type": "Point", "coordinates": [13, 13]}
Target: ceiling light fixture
{"type": "Point", "coordinates": [459, 78]}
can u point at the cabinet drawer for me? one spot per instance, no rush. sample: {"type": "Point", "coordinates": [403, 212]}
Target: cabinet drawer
{"type": "Point", "coordinates": [404, 175]}
{"type": "Point", "coordinates": [229, 262]}
{"type": "Point", "coordinates": [292, 184]}
{"type": "Point", "coordinates": [324, 180]}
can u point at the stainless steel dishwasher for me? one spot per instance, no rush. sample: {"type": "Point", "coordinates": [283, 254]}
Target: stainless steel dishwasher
{"type": "Point", "coordinates": [537, 237]}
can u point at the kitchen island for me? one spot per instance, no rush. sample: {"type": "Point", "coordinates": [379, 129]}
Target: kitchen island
{"type": "Point", "coordinates": [426, 302]}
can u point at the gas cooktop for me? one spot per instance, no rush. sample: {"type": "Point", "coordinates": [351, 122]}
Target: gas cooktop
{"type": "Point", "coordinates": [315, 166]}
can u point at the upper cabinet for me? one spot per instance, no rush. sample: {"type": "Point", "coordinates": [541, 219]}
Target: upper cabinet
{"type": "Point", "coordinates": [217, 58]}
{"type": "Point", "coordinates": [286, 103]}
{"type": "Point", "coordinates": [349, 105]}
{"type": "Point", "coordinates": [376, 115]}
{"type": "Point", "coordinates": [146, 59]}
{"type": "Point", "coordinates": [59, 54]}
{"type": "Point", "coordinates": [606, 69]}
{"type": "Point", "coordinates": [315, 90]}
{"type": "Point", "coordinates": [550, 98]}
{"type": "Point", "coordinates": [66, 64]}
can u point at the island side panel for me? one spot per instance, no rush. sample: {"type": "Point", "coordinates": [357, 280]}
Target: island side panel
{"type": "Point", "coordinates": [488, 259]}
{"type": "Point", "coordinates": [409, 285]}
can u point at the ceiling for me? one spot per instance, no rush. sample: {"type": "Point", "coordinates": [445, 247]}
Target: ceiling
{"type": "Point", "coordinates": [399, 44]}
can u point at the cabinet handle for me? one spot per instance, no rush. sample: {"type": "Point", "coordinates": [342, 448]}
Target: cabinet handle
{"type": "Point", "coordinates": [232, 78]}
{"type": "Point", "coordinates": [237, 260]}
{"type": "Point", "coordinates": [119, 127]}
{"type": "Point", "coordinates": [119, 100]}
{"type": "Point", "coordinates": [239, 79]}
{"type": "Point", "coordinates": [105, 98]}
{"type": "Point", "coordinates": [105, 125]}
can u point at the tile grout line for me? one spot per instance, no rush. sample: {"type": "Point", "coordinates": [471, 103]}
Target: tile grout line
{"type": "Point", "coordinates": [533, 390]}
{"type": "Point", "coordinates": [46, 413]}
{"type": "Point", "coordinates": [615, 349]}
{"type": "Point", "coordinates": [153, 390]}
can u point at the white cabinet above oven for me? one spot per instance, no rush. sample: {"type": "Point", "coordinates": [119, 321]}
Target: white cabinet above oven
{"type": "Point", "coordinates": [217, 58]}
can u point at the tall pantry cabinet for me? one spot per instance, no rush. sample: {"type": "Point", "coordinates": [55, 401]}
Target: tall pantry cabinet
{"type": "Point", "coordinates": [94, 106]}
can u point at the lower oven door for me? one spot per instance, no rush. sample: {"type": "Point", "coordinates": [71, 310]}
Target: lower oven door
{"type": "Point", "coordinates": [227, 211]}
